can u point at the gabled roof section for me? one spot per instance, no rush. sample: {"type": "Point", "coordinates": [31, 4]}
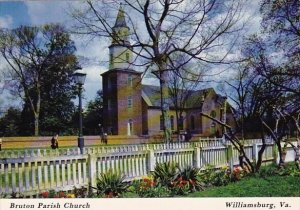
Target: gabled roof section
{"type": "Point", "coordinates": [151, 95]}
{"type": "Point", "coordinates": [194, 99]}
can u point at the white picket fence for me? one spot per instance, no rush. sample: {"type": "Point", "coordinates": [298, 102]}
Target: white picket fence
{"type": "Point", "coordinates": [36, 152]}
{"type": "Point", "coordinates": [34, 174]}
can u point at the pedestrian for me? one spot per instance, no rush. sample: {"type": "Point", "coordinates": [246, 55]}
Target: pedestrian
{"type": "Point", "coordinates": [188, 135]}
{"type": "Point", "coordinates": [0, 144]}
{"type": "Point", "coordinates": [101, 133]}
{"type": "Point", "coordinates": [54, 142]}
{"type": "Point", "coordinates": [105, 138]}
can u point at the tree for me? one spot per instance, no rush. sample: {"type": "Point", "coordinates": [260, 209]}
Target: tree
{"type": "Point", "coordinates": [10, 122]}
{"type": "Point", "coordinates": [93, 116]}
{"type": "Point", "coordinates": [261, 99]}
{"type": "Point", "coordinates": [182, 84]}
{"type": "Point", "coordinates": [281, 25]}
{"type": "Point", "coordinates": [40, 60]}
{"type": "Point", "coordinates": [194, 30]}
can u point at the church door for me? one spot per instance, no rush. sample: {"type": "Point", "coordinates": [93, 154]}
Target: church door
{"type": "Point", "coordinates": [129, 127]}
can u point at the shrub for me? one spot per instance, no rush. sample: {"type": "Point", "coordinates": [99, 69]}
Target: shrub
{"type": "Point", "coordinates": [212, 177]}
{"type": "Point", "coordinates": [178, 182]}
{"type": "Point", "coordinates": [272, 169]}
{"type": "Point", "coordinates": [148, 188]}
{"type": "Point", "coordinates": [191, 175]}
{"type": "Point", "coordinates": [79, 193]}
{"type": "Point", "coordinates": [179, 187]}
{"type": "Point", "coordinates": [111, 184]}
{"type": "Point", "coordinates": [165, 173]}
{"type": "Point", "coordinates": [237, 174]}
{"type": "Point", "coordinates": [289, 170]}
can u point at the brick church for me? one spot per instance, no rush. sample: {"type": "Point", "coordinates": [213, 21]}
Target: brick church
{"type": "Point", "coordinates": [131, 108]}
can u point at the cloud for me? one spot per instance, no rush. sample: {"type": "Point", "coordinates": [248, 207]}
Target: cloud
{"type": "Point", "coordinates": [41, 12]}
{"type": "Point", "coordinates": [6, 21]}
{"type": "Point", "coordinates": [93, 81]}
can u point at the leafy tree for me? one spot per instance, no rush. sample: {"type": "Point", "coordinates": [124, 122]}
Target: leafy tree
{"type": "Point", "coordinates": [10, 122]}
{"type": "Point", "coordinates": [41, 60]}
{"type": "Point", "coordinates": [93, 118]}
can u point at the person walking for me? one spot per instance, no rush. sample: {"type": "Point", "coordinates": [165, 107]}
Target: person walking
{"type": "Point", "coordinates": [54, 142]}
{"type": "Point", "coordinates": [105, 138]}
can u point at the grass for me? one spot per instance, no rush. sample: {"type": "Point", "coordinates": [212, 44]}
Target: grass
{"type": "Point", "coordinates": [273, 186]}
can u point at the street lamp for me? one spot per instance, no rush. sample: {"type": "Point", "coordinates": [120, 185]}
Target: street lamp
{"type": "Point", "coordinates": [79, 77]}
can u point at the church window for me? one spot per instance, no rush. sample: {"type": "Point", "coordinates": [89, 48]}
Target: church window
{"type": "Point", "coordinates": [172, 122]}
{"type": "Point", "coordinates": [129, 101]}
{"type": "Point", "coordinates": [180, 123]}
{"type": "Point", "coordinates": [213, 114]}
{"type": "Point", "coordinates": [129, 80]}
{"type": "Point", "coordinates": [192, 122]}
{"type": "Point", "coordinates": [161, 122]}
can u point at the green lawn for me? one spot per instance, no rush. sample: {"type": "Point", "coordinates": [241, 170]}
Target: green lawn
{"type": "Point", "coordinates": [273, 186]}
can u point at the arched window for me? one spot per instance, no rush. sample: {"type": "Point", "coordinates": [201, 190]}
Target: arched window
{"type": "Point", "coordinates": [127, 57]}
{"type": "Point", "coordinates": [213, 113]}
{"type": "Point", "coordinates": [161, 123]}
{"type": "Point", "coordinates": [192, 122]}
{"type": "Point", "coordinates": [172, 122]}
{"type": "Point", "coordinates": [129, 101]}
{"type": "Point", "coordinates": [180, 123]}
{"type": "Point", "coordinates": [129, 80]}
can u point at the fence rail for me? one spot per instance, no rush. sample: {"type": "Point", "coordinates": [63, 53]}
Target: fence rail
{"type": "Point", "coordinates": [37, 152]}
{"type": "Point", "coordinates": [34, 174]}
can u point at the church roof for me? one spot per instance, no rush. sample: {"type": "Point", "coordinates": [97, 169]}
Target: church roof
{"type": "Point", "coordinates": [151, 95]}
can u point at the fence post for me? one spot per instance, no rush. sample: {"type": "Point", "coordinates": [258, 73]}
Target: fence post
{"type": "Point", "coordinates": [151, 160]}
{"type": "Point", "coordinates": [230, 156]}
{"type": "Point", "coordinates": [255, 152]}
{"type": "Point", "coordinates": [197, 157]}
{"type": "Point", "coordinates": [92, 170]}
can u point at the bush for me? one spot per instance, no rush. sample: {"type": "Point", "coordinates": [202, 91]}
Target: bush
{"type": "Point", "coordinates": [191, 175]}
{"type": "Point", "coordinates": [179, 187]}
{"type": "Point", "coordinates": [237, 174]}
{"type": "Point", "coordinates": [212, 177]}
{"type": "Point", "coordinates": [165, 173]}
{"type": "Point", "coordinates": [178, 182]}
{"type": "Point", "coordinates": [148, 188]}
{"type": "Point", "coordinates": [111, 185]}
{"type": "Point", "coordinates": [288, 169]}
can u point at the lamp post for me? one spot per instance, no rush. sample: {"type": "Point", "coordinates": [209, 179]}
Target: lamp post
{"type": "Point", "coordinates": [79, 77]}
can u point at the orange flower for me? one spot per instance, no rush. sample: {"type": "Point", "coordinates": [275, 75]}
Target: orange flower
{"type": "Point", "coordinates": [45, 194]}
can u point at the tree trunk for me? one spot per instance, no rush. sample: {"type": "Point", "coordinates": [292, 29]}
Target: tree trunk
{"type": "Point", "coordinates": [165, 107]}
{"type": "Point", "coordinates": [280, 152]}
{"type": "Point", "coordinates": [36, 125]}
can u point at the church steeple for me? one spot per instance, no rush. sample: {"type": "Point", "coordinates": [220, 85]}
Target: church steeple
{"type": "Point", "coordinates": [120, 55]}
{"type": "Point", "coordinates": [122, 84]}
{"type": "Point", "coordinates": [120, 29]}
{"type": "Point", "coordinates": [120, 21]}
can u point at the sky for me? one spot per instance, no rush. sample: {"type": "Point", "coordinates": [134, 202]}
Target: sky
{"type": "Point", "coordinates": [16, 13]}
